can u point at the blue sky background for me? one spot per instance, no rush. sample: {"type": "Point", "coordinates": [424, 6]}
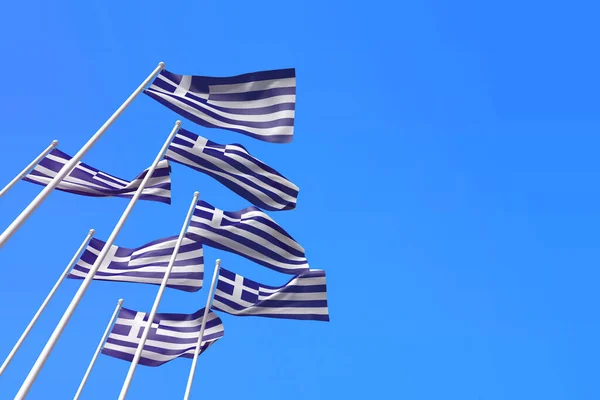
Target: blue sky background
{"type": "Point", "coordinates": [446, 154]}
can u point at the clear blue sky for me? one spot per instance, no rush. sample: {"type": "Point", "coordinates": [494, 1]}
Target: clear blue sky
{"type": "Point", "coordinates": [446, 154]}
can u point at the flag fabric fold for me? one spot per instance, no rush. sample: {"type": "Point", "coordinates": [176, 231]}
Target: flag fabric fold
{"type": "Point", "coordinates": [88, 181]}
{"type": "Point", "coordinates": [250, 233]}
{"type": "Point", "coordinates": [259, 104]}
{"type": "Point", "coordinates": [303, 297]}
{"type": "Point", "coordinates": [171, 336]}
{"type": "Point", "coordinates": [146, 264]}
{"type": "Point", "coordinates": [235, 168]}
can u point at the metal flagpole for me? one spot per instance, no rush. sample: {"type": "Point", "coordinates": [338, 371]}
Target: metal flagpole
{"type": "Point", "coordinates": [35, 370]}
{"type": "Point", "coordinates": [28, 168]}
{"type": "Point", "coordinates": [188, 388]}
{"type": "Point", "coordinates": [45, 303]}
{"type": "Point", "coordinates": [68, 167]}
{"type": "Point", "coordinates": [163, 285]}
{"type": "Point", "coordinates": [100, 345]}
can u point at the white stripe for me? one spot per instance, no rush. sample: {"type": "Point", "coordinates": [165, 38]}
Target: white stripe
{"type": "Point", "coordinates": [271, 310]}
{"type": "Point", "coordinates": [291, 296]}
{"type": "Point", "coordinates": [269, 101]}
{"type": "Point", "coordinates": [252, 86]}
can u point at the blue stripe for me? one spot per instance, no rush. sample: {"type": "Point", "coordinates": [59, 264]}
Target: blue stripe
{"type": "Point", "coordinates": [231, 80]}
{"type": "Point", "coordinates": [304, 317]}
{"type": "Point", "coordinates": [244, 111]}
{"type": "Point", "coordinates": [254, 95]}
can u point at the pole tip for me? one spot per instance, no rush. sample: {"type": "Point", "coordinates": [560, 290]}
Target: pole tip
{"type": "Point", "coordinates": [120, 301]}
{"type": "Point", "coordinates": [218, 261]}
{"type": "Point", "coordinates": [161, 64]}
{"type": "Point", "coordinates": [92, 231]}
{"type": "Point", "coordinates": [196, 194]}
{"type": "Point", "coordinates": [55, 143]}
{"type": "Point", "coordinates": [178, 123]}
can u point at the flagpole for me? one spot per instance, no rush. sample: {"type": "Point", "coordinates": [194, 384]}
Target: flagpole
{"type": "Point", "coordinates": [45, 303]}
{"type": "Point", "coordinates": [188, 388]}
{"type": "Point", "coordinates": [35, 370]}
{"type": "Point", "coordinates": [163, 285]}
{"type": "Point", "coordinates": [98, 349]}
{"type": "Point", "coordinates": [28, 168]}
{"type": "Point", "coordinates": [69, 166]}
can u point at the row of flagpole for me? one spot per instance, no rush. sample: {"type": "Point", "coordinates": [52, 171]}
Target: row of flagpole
{"type": "Point", "coordinates": [295, 262]}
{"type": "Point", "coordinates": [158, 298]}
{"type": "Point", "coordinates": [28, 211]}
{"type": "Point", "coordinates": [26, 386]}
{"type": "Point", "coordinates": [35, 370]}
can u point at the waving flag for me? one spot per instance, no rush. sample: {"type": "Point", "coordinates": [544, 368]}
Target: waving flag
{"type": "Point", "coordinates": [250, 233]}
{"type": "Point", "coordinates": [171, 336]}
{"type": "Point", "coordinates": [146, 264]}
{"type": "Point", "coordinates": [259, 104]}
{"type": "Point", "coordinates": [88, 181]}
{"type": "Point", "coordinates": [235, 168]}
{"type": "Point", "coordinates": [303, 297]}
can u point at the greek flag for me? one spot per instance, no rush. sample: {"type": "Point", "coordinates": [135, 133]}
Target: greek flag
{"type": "Point", "coordinates": [88, 181]}
{"type": "Point", "coordinates": [235, 168]}
{"type": "Point", "coordinates": [250, 233]}
{"type": "Point", "coordinates": [259, 104]}
{"type": "Point", "coordinates": [171, 336]}
{"type": "Point", "coordinates": [146, 264]}
{"type": "Point", "coordinates": [304, 297]}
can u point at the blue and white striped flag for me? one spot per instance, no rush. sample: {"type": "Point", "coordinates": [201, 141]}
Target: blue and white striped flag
{"type": "Point", "coordinates": [235, 168]}
{"type": "Point", "coordinates": [88, 181]}
{"type": "Point", "coordinates": [303, 297]}
{"type": "Point", "coordinates": [259, 104]}
{"type": "Point", "coordinates": [250, 233]}
{"type": "Point", "coordinates": [146, 264]}
{"type": "Point", "coordinates": [171, 336]}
